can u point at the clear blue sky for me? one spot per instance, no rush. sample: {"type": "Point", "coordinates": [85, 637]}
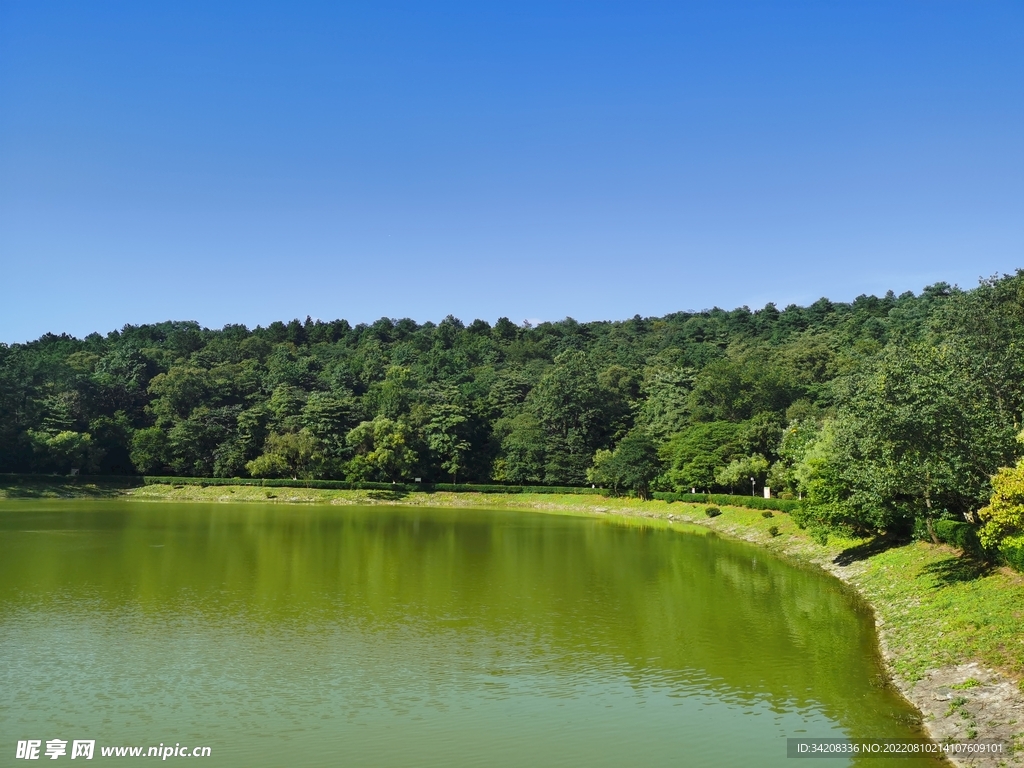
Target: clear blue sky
{"type": "Point", "coordinates": [246, 162]}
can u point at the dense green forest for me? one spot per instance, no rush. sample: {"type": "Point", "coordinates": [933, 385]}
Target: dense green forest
{"type": "Point", "coordinates": [881, 413]}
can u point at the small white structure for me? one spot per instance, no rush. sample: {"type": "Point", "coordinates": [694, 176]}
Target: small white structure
{"type": "Point", "coordinates": [767, 492]}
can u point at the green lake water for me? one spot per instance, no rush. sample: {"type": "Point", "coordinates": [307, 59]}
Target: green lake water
{"type": "Point", "coordinates": [390, 636]}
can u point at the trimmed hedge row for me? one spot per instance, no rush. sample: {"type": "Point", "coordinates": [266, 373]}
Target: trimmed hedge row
{"type": "Point", "coordinates": [751, 502]}
{"type": "Point", "coordinates": [963, 535]}
{"type": "Point", "coordinates": [342, 485]}
{"type": "Point", "coordinates": [960, 534]}
{"type": "Point", "coordinates": [578, 490]}
{"type": "Point", "coordinates": [266, 483]}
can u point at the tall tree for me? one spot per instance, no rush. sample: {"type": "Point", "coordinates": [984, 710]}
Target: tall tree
{"type": "Point", "coordinates": [381, 449]}
{"type": "Point", "coordinates": [573, 411]}
{"type": "Point", "coordinates": [445, 438]}
{"type": "Point", "coordinates": [917, 435]}
{"type": "Point", "coordinates": [633, 464]}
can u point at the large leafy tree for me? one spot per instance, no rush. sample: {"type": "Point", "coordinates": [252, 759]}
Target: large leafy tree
{"type": "Point", "coordinates": [327, 418]}
{"type": "Point", "coordinates": [445, 436]}
{"type": "Point", "coordinates": [382, 450]}
{"type": "Point", "coordinates": [293, 454]}
{"type": "Point", "coordinates": [792, 449]}
{"type": "Point", "coordinates": [741, 385]}
{"type": "Point", "coordinates": [989, 322]}
{"type": "Point", "coordinates": [195, 442]}
{"type": "Point", "coordinates": [150, 450]}
{"type": "Point", "coordinates": [916, 437]}
{"type": "Point", "coordinates": [693, 456]}
{"type": "Point", "coordinates": [665, 409]}
{"type": "Point", "coordinates": [740, 474]}
{"type": "Point", "coordinates": [523, 443]}
{"type": "Point", "coordinates": [575, 414]}
{"type": "Point", "coordinates": [633, 464]}
{"type": "Point", "coordinates": [67, 450]}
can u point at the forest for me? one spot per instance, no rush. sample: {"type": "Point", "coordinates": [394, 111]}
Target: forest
{"type": "Point", "coordinates": [882, 414]}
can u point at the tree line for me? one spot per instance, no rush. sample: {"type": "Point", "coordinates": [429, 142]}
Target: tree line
{"type": "Point", "coordinates": [882, 413]}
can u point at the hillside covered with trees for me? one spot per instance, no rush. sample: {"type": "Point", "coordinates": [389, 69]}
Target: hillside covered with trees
{"type": "Point", "coordinates": [880, 413]}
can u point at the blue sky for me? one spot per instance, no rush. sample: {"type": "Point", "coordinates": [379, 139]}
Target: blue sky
{"type": "Point", "coordinates": [247, 162]}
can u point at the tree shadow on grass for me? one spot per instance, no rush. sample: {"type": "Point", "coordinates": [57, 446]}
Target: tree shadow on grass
{"type": "Point", "coordinates": [868, 549]}
{"type": "Point", "coordinates": [956, 570]}
{"type": "Point", "coordinates": [60, 490]}
{"type": "Point", "coordinates": [396, 495]}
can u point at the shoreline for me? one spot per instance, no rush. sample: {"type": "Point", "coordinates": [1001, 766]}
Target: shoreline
{"type": "Point", "coordinates": [965, 684]}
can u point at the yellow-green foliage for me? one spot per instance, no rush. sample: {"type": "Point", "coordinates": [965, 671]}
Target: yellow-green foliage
{"type": "Point", "coordinates": [1004, 515]}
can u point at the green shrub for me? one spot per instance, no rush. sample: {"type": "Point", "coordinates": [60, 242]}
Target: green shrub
{"type": "Point", "coordinates": [773, 530]}
{"type": "Point", "coordinates": [801, 516]}
{"type": "Point", "coordinates": [712, 511]}
{"type": "Point", "coordinates": [767, 513]}
{"type": "Point", "coordinates": [959, 534]}
{"type": "Point", "coordinates": [1011, 552]}
{"type": "Point", "coordinates": [750, 502]}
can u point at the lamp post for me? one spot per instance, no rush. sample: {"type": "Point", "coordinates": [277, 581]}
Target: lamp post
{"type": "Point", "coordinates": [751, 486]}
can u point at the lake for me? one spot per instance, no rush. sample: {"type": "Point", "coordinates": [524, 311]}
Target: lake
{"type": "Point", "coordinates": [393, 636]}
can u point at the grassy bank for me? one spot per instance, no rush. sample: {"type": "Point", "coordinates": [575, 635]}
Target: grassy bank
{"type": "Point", "coordinates": [936, 609]}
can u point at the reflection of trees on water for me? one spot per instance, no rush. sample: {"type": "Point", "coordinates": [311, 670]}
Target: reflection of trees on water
{"type": "Point", "coordinates": [502, 593]}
